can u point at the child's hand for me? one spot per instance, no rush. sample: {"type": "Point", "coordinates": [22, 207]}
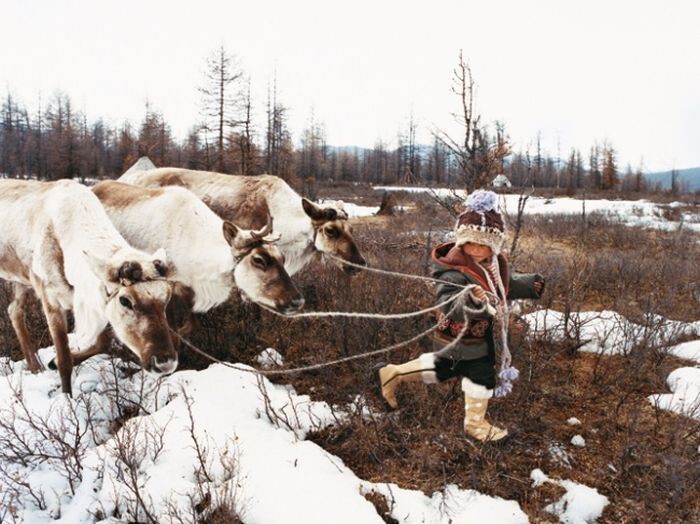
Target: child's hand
{"type": "Point", "coordinates": [478, 293]}
{"type": "Point", "coordinates": [538, 286]}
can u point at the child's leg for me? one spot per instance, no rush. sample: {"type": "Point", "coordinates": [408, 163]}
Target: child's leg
{"type": "Point", "coordinates": [478, 385]}
{"type": "Point", "coordinates": [421, 369]}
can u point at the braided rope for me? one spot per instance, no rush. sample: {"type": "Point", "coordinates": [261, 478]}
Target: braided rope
{"type": "Point", "coordinates": [506, 373]}
{"type": "Point", "coordinates": [379, 316]}
{"type": "Point", "coordinates": [387, 272]}
{"type": "Point", "coordinates": [335, 362]}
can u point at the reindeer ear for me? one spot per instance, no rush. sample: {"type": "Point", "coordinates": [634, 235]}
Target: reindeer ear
{"type": "Point", "coordinates": [101, 267]}
{"type": "Point", "coordinates": [161, 255]}
{"type": "Point", "coordinates": [312, 210]}
{"type": "Point", "coordinates": [230, 232]}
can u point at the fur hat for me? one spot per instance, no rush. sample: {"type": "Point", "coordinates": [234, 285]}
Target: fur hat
{"type": "Point", "coordinates": [480, 222]}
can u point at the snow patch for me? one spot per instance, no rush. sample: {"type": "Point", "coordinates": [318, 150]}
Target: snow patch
{"type": "Point", "coordinates": [573, 421]}
{"type": "Point", "coordinates": [578, 441]}
{"type": "Point", "coordinates": [640, 213]}
{"type": "Point", "coordinates": [607, 332]}
{"type": "Point", "coordinates": [269, 358]}
{"type": "Point", "coordinates": [580, 504]}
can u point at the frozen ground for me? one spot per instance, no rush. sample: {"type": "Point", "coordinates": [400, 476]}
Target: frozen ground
{"type": "Point", "coordinates": [609, 333]}
{"type": "Point", "coordinates": [205, 438]}
{"type": "Point", "coordinates": [630, 212]}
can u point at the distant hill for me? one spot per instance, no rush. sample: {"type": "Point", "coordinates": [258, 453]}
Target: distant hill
{"type": "Point", "coordinates": [689, 178]}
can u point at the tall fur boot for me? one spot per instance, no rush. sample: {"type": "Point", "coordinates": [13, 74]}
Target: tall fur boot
{"type": "Point", "coordinates": [421, 369]}
{"type": "Point", "coordinates": [476, 402]}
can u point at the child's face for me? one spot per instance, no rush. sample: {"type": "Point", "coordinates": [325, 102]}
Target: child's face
{"type": "Point", "coordinates": [479, 252]}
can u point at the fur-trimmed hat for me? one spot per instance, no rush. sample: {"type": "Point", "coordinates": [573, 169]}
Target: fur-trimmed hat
{"type": "Point", "coordinates": [480, 222]}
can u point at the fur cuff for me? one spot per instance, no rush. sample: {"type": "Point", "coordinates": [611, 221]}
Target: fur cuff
{"type": "Point", "coordinates": [472, 390]}
{"type": "Point", "coordinates": [427, 361]}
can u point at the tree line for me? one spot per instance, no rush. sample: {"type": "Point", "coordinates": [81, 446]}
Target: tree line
{"type": "Point", "coordinates": [53, 140]}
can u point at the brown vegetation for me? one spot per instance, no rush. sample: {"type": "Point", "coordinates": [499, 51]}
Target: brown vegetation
{"type": "Point", "coordinates": [642, 458]}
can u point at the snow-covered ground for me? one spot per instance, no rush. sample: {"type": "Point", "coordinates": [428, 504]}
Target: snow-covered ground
{"type": "Point", "coordinates": [579, 505]}
{"type": "Point", "coordinates": [609, 333]}
{"type": "Point", "coordinates": [218, 436]}
{"type": "Point", "coordinates": [629, 212]}
{"type": "Point", "coordinates": [683, 382]}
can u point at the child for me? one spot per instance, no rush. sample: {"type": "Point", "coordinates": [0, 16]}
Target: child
{"type": "Point", "coordinates": [474, 326]}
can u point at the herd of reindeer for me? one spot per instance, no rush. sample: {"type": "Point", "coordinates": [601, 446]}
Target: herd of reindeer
{"type": "Point", "coordinates": [125, 254]}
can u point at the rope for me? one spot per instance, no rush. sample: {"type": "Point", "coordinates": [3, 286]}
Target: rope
{"type": "Point", "coordinates": [353, 314]}
{"type": "Point", "coordinates": [392, 273]}
{"type": "Point", "coordinates": [335, 362]}
{"type": "Point", "coordinates": [379, 316]}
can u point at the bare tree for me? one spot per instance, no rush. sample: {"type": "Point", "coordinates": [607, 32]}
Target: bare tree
{"type": "Point", "coordinates": [220, 98]}
{"type": "Point", "coordinates": [478, 159]}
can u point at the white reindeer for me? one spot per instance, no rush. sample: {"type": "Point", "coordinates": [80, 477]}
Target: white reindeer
{"type": "Point", "coordinates": [210, 256]}
{"type": "Point", "coordinates": [57, 240]}
{"type": "Point", "coordinates": [305, 228]}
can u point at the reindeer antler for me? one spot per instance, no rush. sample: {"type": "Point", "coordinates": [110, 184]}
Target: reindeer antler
{"type": "Point", "coordinates": [262, 233]}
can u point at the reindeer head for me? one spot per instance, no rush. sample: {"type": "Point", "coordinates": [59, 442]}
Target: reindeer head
{"type": "Point", "coordinates": [333, 233]}
{"type": "Point", "coordinates": [259, 272]}
{"type": "Point", "coordinates": [138, 295]}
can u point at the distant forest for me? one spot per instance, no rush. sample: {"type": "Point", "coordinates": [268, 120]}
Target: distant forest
{"type": "Point", "coordinates": [53, 140]}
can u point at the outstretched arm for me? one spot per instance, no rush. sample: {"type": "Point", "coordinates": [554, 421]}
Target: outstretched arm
{"type": "Point", "coordinates": [526, 285]}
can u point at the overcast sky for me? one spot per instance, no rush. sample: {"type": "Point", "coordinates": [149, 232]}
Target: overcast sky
{"type": "Point", "coordinates": [625, 71]}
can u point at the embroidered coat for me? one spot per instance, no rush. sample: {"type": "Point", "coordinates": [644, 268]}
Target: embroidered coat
{"type": "Point", "coordinates": [450, 264]}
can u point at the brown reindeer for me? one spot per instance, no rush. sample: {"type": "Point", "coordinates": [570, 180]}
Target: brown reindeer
{"type": "Point", "coordinates": [305, 228]}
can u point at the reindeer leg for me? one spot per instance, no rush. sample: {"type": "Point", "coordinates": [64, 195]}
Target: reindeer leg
{"type": "Point", "coordinates": [58, 327]}
{"type": "Point", "coordinates": [19, 323]}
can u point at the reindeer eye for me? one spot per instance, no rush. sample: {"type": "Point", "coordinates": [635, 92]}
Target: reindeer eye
{"type": "Point", "coordinates": [259, 261]}
{"type": "Point", "coordinates": [126, 303]}
{"type": "Point", "coordinates": [332, 232]}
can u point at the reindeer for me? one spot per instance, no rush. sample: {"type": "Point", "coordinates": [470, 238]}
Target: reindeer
{"type": "Point", "coordinates": [305, 228]}
{"type": "Point", "coordinates": [58, 241]}
{"type": "Point", "coordinates": [210, 256]}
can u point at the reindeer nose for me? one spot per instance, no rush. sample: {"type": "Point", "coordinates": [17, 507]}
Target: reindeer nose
{"type": "Point", "coordinates": [164, 365]}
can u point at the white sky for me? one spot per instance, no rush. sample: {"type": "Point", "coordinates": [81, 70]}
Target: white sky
{"type": "Point", "coordinates": [626, 71]}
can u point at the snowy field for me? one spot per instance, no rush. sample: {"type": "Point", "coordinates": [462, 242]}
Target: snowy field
{"type": "Point", "coordinates": [640, 213]}
{"type": "Point", "coordinates": [205, 438]}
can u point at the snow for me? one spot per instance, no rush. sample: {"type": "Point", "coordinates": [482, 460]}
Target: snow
{"type": "Point", "coordinates": [357, 211]}
{"type": "Point", "coordinates": [354, 210]}
{"type": "Point", "coordinates": [580, 504]}
{"type": "Point", "coordinates": [607, 332]}
{"type": "Point", "coordinates": [629, 212]}
{"type": "Point", "coordinates": [573, 421]}
{"type": "Point", "coordinates": [685, 397]}
{"type": "Point", "coordinates": [578, 441]}
{"type": "Point", "coordinates": [269, 358]}
{"type": "Point", "coordinates": [221, 434]}
{"type": "Point", "coordinates": [559, 455]}
{"type": "Point", "coordinates": [683, 382]}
